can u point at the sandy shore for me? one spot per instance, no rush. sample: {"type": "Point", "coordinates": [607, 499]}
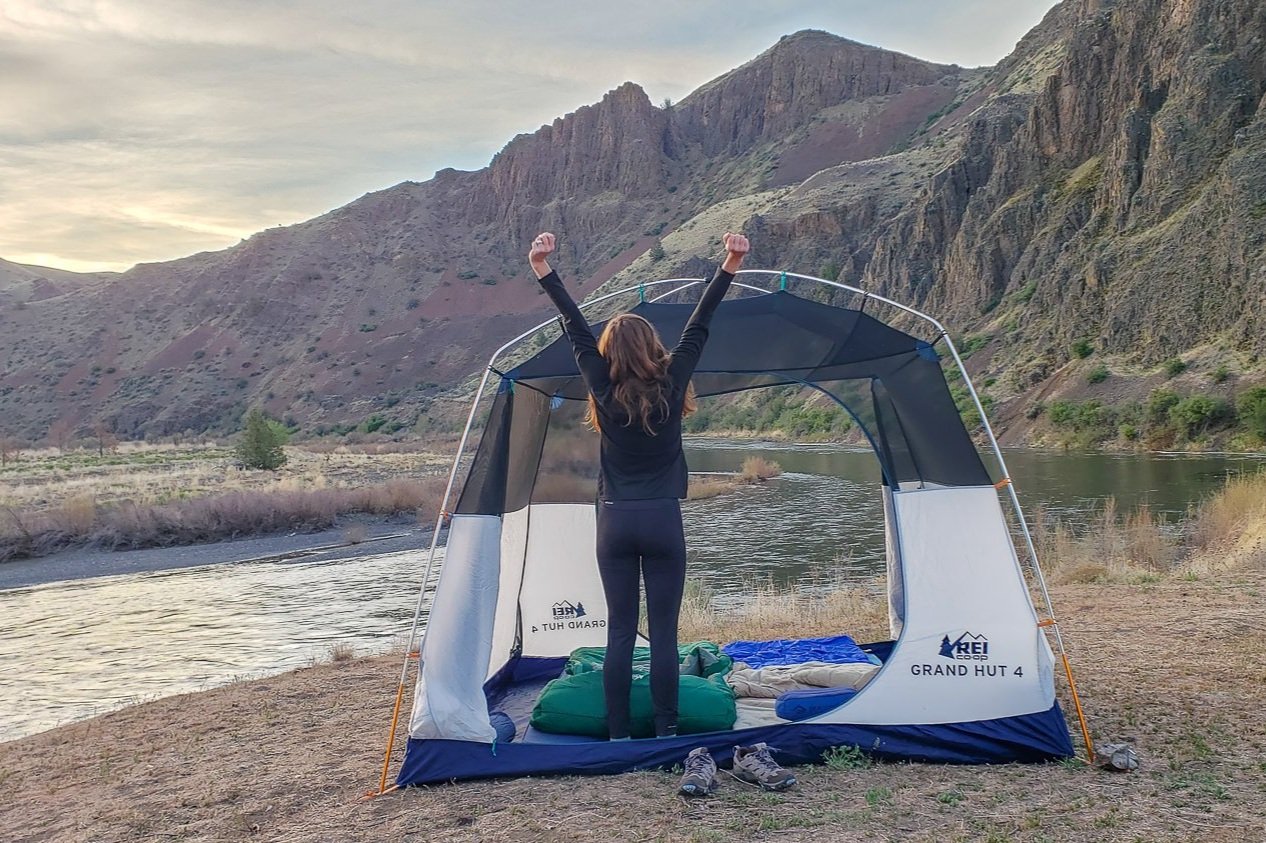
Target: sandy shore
{"type": "Point", "coordinates": [380, 535]}
{"type": "Point", "coordinates": [1178, 667]}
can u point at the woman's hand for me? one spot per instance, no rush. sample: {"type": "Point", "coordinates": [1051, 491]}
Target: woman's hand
{"type": "Point", "coordinates": [542, 247]}
{"type": "Point", "coordinates": [736, 248]}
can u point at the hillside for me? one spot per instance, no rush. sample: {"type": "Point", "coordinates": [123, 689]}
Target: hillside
{"type": "Point", "coordinates": [1101, 184]}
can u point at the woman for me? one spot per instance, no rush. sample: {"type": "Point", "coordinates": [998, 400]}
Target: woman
{"type": "Point", "coordinates": [638, 393]}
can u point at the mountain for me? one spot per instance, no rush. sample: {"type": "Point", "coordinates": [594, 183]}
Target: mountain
{"type": "Point", "coordinates": [20, 283]}
{"type": "Point", "coordinates": [1101, 184]}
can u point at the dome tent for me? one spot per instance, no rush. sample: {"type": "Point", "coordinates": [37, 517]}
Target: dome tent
{"type": "Point", "coordinates": [969, 675]}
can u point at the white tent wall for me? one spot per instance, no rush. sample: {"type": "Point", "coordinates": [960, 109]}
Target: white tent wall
{"type": "Point", "coordinates": [449, 701]}
{"type": "Point", "coordinates": [561, 601]}
{"type": "Point", "coordinates": [539, 561]}
{"type": "Point", "coordinates": [970, 648]}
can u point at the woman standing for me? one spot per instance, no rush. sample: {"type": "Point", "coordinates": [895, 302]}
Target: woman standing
{"type": "Point", "coordinates": [638, 394]}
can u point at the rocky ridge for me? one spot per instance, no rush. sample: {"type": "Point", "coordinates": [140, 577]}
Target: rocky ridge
{"type": "Point", "coordinates": [1102, 183]}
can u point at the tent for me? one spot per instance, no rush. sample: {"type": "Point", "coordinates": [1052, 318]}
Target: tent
{"type": "Point", "coordinates": [969, 674]}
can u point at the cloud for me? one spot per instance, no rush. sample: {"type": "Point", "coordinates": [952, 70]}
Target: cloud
{"type": "Point", "coordinates": [137, 131]}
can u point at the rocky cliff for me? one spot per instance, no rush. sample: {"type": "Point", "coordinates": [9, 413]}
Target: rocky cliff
{"type": "Point", "coordinates": [1103, 183]}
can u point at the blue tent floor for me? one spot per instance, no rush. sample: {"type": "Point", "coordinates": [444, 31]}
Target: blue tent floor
{"type": "Point", "coordinates": [1039, 736]}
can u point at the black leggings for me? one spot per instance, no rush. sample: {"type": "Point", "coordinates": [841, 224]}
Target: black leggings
{"type": "Point", "coordinates": [641, 540]}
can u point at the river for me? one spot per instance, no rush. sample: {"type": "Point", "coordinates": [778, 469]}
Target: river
{"type": "Point", "coordinates": [76, 648]}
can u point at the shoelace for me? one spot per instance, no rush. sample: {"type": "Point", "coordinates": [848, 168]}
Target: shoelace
{"type": "Point", "coordinates": [700, 764]}
{"type": "Point", "coordinates": [764, 761]}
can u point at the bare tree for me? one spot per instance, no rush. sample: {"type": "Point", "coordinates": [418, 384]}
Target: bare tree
{"type": "Point", "coordinates": [106, 440]}
{"type": "Point", "coordinates": [10, 449]}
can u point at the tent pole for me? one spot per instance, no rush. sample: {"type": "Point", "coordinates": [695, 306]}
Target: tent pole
{"type": "Point", "coordinates": [430, 564]}
{"type": "Point", "coordinates": [1028, 540]}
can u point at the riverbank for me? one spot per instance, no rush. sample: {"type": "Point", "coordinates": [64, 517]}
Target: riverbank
{"type": "Point", "coordinates": [1176, 666]}
{"type": "Point", "coordinates": [174, 496]}
{"type": "Point", "coordinates": [351, 535]}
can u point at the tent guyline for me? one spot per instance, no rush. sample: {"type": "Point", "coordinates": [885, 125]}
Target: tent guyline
{"type": "Point", "coordinates": [933, 479]}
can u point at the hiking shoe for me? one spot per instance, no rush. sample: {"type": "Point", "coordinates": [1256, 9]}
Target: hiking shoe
{"type": "Point", "coordinates": [754, 765]}
{"type": "Point", "coordinates": [701, 774]}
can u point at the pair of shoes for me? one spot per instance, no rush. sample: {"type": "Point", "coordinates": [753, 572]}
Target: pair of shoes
{"type": "Point", "coordinates": [700, 777]}
{"type": "Point", "coordinates": [752, 764]}
{"type": "Point", "coordinates": [755, 765]}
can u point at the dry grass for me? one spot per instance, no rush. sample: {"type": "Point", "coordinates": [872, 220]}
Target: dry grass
{"type": "Point", "coordinates": [1114, 547]}
{"type": "Point", "coordinates": [707, 486]}
{"type": "Point", "coordinates": [1226, 531]}
{"type": "Point", "coordinates": [342, 652]}
{"type": "Point", "coordinates": [158, 474]}
{"type": "Point", "coordinates": [758, 469]}
{"type": "Point", "coordinates": [157, 496]}
{"type": "Point", "coordinates": [229, 515]}
{"type": "Point", "coordinates": [770, 611]}
{"type": "Point", "coordinates": [754, 470]}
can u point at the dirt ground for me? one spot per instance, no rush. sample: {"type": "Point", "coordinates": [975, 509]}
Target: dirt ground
{"type": "Point", "coordinates": [1176, 666]}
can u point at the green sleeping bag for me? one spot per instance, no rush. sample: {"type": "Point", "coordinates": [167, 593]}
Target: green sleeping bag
{"type": "Point", "coordinates": [702, 658]}
{"type": "Point", "coordinates": [574, 703]}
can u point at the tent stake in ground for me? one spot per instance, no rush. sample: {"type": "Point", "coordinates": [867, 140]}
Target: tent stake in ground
{"type": "Point", "coordinates": [969, 674]}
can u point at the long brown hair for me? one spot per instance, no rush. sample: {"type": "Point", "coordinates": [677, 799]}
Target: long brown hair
{"type": "Point", "coordinates": [638, 366]}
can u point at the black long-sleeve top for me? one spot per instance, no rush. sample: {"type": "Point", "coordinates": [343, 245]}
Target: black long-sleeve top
{"type": "Point", "coordinates": [636, 465]}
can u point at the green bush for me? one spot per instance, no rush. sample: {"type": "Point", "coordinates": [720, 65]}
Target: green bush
{"type": "Point", "coordinates": [1198, 414]}
{"type": "Point", "coordinates": [1098, 374]}
{"type": "Point", "coordinates": [1082, 349]}
{"type": "Point", "coordinates": [1221, 374]}
{"type": "Point", "coordinates": [657, 251]}
{"type": "Point", "coordinates": [260, 443]}
{"type": "Point", "coordinates": [1252, 411]}
{"type": "Point", "coordinates": [1174, 367]}
{"type": "Point", "coordinates": [1159, 403]}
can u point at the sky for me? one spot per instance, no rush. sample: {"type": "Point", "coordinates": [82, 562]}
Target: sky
{"type": "Point", "coordinates": [144, 130]}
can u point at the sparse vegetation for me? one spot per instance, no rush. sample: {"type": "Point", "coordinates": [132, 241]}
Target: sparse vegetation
{"type": "Point", "coordinates": [1174, 368]}
{"type": "Point", "coordinates": [1098, 374]}
{"type": "Point", "coordinates": [1082, 349]}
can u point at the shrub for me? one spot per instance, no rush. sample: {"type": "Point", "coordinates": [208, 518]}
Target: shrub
{"type": "Point", "coordinates": [1194, 416]}
{"type": "Point", "coordinates": [260, 444]}
{"type": "Point", "coordinates": [1221, 374]}
{"type": "Point", "coordinates": [1159, 403]}
{"type": "Point", "coordinates": [1082, 349]}
{"type": "Point", "coordinates": [758, 469]}
{"type": "Point", "coordinates": [1252, 411]}
{"type": "Point", "coordinates": [1174, 367]}
{"type": "Point", "coordinates": [657, 251]}
{"type": "Point", "coordinates": [1098, 374]}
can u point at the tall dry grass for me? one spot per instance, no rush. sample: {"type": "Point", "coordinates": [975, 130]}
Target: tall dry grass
{"type": "Point", "coordinates": [128, 525]}
{"type": "Point", "coordinates": [758, 469]}
{"type": "Point", "coordinates": [771, 611]}
{"type": "Point", "coordinates": [1226, 530]}
{"type": "Point", "coordinates": [1115, 546]}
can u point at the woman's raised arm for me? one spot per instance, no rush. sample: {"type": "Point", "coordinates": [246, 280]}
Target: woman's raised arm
{"type": "Point", "coordinates": [690, 346]}
{"type": "Point", "coordinates": [593, 368]}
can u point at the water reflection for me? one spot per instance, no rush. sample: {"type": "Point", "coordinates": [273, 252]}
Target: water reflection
{"type": "Point", "coordinates": [72, 649]}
